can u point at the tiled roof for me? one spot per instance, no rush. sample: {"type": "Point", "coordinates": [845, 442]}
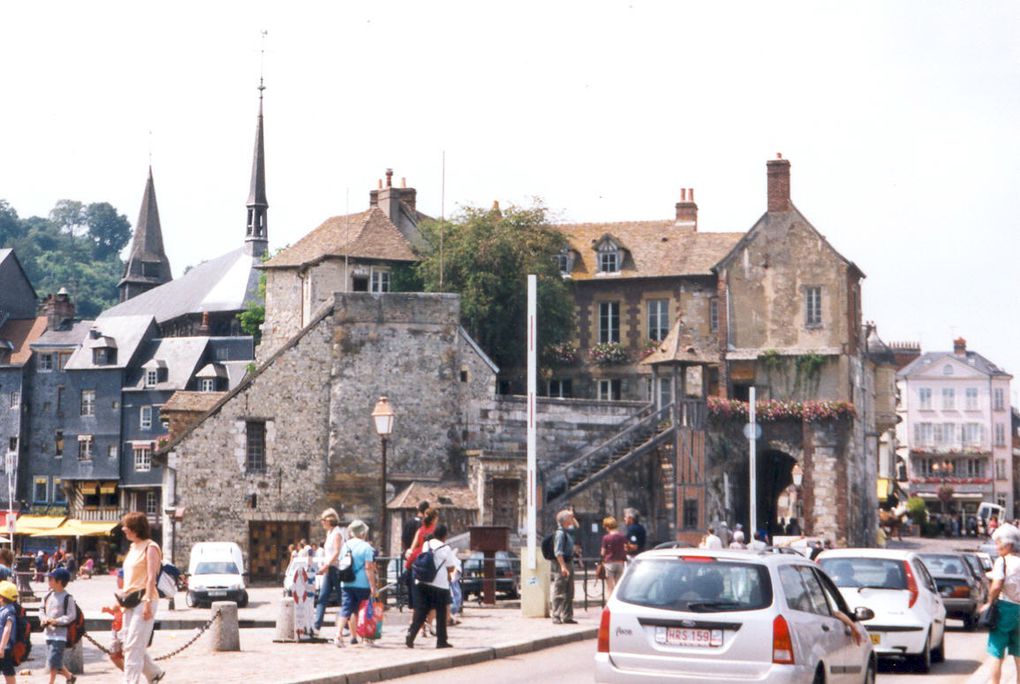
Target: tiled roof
{"type": "Point", "coordinates": [21, 333]}
{"type": "Point", "coordinates": [437, 494]}
{"type": "Point", "coordinates": [191, 401]}
{"type": "Point", "coordinates": [366, 235]}
{"type": "Point", "coordinates": [683, 346]}
{"type": "Point", "coordinates": [652, 248]}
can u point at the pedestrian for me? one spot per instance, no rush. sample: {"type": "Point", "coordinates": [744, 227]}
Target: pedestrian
{"type": "Point", "coordinates": [58, 611]}
{"type": "Point", "coordinates": [738, 541]}
{"type": "Point", "coordinates": [1004, 636]}
{"type": "Point", "coordinates": [362, 588]}
{"type": "Point", "coordinates": [71, 563]}
{"type": "Point", "coordinates": [434, 596]}
{"type": "Point", "coordinates": [292, 552]}
{"type": "Point", "coordinates": [758, 543]}
{"type": "Point", "coordinates": [712, 540]}
{"type": "Point", "coordinates": [723, 531]}
{"type": "Point", "coordinates": [40, 565]}
{"type": "Point", "coordinates": [993, 524]}
{"type": "Point", "coordinates": [330, 567]}
{"type": "Point", "coordinates": [421, 535]}
{"type": "Point", "coordinates": [87, 568]}
{"type": "Point", "coordinates": [636, 534]}
{"type": "Point", "coordinates": [407, 540]}
{"type": "Point", "coordinates": [613, 552]}
{"type": "Point", "coordinates": [456, 595]}
{"type": "Point", "coordinates": [6, 565]}
{"type": "Point", "coordinates": [563, 568]}
{"type": "Point", "coordinates": [139, 599]}
{"type": "Point", "coordinates": [117, 625]}
{"type": "Point", "coordinates": [8, 628]}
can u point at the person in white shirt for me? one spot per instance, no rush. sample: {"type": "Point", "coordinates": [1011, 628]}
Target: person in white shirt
{"type": "Point", "coordinates": [712, 541]}
{"type": "Point", "coordinates": [738, 541]}
{"type": "Point", "coordinates": [434, 595]}
{"type": "Point", "coordinates": [1004, 636]}
{"type": "Point", "coordinates": [330, 567]}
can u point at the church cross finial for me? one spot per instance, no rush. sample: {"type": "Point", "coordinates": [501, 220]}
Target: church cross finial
{"type": "Point", "coordinates": [262, 62]}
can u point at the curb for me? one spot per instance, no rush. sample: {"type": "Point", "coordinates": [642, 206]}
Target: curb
{"type": "Point", "coordinates": [468, 657]}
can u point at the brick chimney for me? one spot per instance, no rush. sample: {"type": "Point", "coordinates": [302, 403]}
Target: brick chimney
{"type": "Point", "coordinates": [687, 210]}
{"type": "Point", "coordinates": [58, 309]}
{"type": "Point", "coordinates": [778, 184]}
{"type": "Point", "coordinates": [389, 198]}
{"type": "Point", "coordinates": [960, 346]}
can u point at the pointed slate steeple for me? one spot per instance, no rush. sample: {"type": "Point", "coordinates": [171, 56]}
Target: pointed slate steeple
{"type": "Point", "coordinates": [147, 265]}
{"type": "Point", "coordinates": [256, 241]}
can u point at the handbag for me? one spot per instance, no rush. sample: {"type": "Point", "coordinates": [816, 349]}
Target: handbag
{"type": "Point", "coordinates": [989, 617]}
{"type": "Point", "coordinates": [347, 573]}
{"type": "Point", "coordinates": [600, 571]}
{"type": "Point", "coordinates": [130, 599]}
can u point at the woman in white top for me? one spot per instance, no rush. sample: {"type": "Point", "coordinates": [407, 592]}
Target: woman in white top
{"type": "Point", "coordinates": [1005, 595]}
{"type": "Point", "coordinates": [141, 568]}
{"type": "Point", "coordinates": [330, 568]}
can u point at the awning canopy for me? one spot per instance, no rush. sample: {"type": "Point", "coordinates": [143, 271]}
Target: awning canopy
{"type": "Point", "coordinates": [79, 528]}
{"type": "Point", "coordinates": [30, 524]}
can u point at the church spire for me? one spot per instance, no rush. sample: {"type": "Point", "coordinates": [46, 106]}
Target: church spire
{"type": "Point", "coordinates": [147, 266]}
{"type": "Point", "coordinates": [257, 238]}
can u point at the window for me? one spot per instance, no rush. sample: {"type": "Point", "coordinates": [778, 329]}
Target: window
{"type": "Point", "coordinates": [207, 385]}
{"type": "Point", "coordinates": [658, 319]}
{"type": "Point", "coordinates": [1000, 469]}
{"type": "Point", "coordinates": [151, 503]}
{"type": "Point", "coordinates": [58, 491]}
{"type": "Point", "coordinates": [41, 491]}
{"type": "Point", "coordinates": [145, 418]}
{"type": "Point", "coordinates": [562, 389]}
{"type": "Point", "coordinates": [924, 398]}
{"type": "Point", "coordinates": [608, 390]}
{"type": "Point", "coordinates": [813, 306]}
{"type": "Point", "coordinates": [12, 444]}
{"type": "Point", "coordinates": [151, 377]}
{"type": "Point", "coordinates": [802, 590]}
{"type": "Point", "coordinates": [948, 398]}
{"type": "Point", "coordinates": [563, 262]}
{"type": "Point", "coordinates": [691, 514]}
{"type": "Point", "coordinates": [88, 402]}
{"type": "Point", "coordinates": [999, 399]}
{"type": "Point", "coordinates": [58, 443]}
{"type": "Point", "coordinates": [1001, 499]}
{"type": "Point", "coordinates": [111, 451]}
{"type": "Point", "coordinates": [949, 434]}
{"type": "Point", "coordinates": [609, 259]}
{"type": "Point", "coordinates": [143, 459]}
{"type": "Point", "coordinates": [84, 447]}
{"type": "Point", "coordinates": [60, 400]}
{"type": "Point", "coordinates": [255, 460]}
{"type": "Point", "coordinates": [45, 363]}
{"type": "Point", "coordinates": [62, 358]}
{"type": "Point", "coordinates": [713, 314]}
{"type": "Point", "coordinates": [971, 467]}
{"type": "Point", "coordinates": [609, 322]}
{"type": "Point", "coordinates": [971, 399]}
{"type": "Point", "coordinates": [380, 281]}
{"type": "Point", "coordinates": [16, 400]}
{"type": "Point", "coordinates": [923, 433]}
{"type": "Point", "coordinates": [947, 369]}
{"type": "Point", "coordinates": [1000, 434]}
{"type": "Point", "coordinates": [971, 434]}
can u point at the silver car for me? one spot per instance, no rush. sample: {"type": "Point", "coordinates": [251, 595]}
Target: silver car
{"type": "Point", "coordinates": [695, 615]}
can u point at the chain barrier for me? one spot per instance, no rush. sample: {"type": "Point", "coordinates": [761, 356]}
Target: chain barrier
{"type": "Point", "coordinates": [166, 656]}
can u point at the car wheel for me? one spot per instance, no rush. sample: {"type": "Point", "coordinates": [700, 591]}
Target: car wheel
{"type": "Point", "coordinates": [869, 674]}
{"type": "Point", "coordinates": [243, 601]}
{"type": "Point", "coordinates": [922, 661]}
{"type": "Point", "coordinates": [939, 654]}
{"type": "Point", "coordinates": [190, 600]}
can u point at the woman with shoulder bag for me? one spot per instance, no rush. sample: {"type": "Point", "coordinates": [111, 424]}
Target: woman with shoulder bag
{"type": "Point", "coordinates": [139, 599]}
{"type": "Point", "coordinates": [1004, 600]}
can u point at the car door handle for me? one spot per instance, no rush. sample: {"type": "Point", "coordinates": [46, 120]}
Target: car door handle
{"type": "Point", "coordinates": [825, 628]}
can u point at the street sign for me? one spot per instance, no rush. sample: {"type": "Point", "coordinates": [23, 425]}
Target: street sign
{"type": "Point", "coordinates": [752, 431]}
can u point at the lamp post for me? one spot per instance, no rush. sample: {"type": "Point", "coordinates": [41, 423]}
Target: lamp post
{"type": "Point", "coordinates": [382, 416]}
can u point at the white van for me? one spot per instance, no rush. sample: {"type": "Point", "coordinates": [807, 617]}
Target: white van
{"type": "Point", "coordinates": [985, 512]}
{"type": "Point", "coordinates": [216, 573]}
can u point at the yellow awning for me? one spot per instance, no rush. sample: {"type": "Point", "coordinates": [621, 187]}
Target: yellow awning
{"type": "Point", "coordinates": [884, 488]}
{"type": "Point", "coordinates": [79, 528]}
{"type": "Point", "coordinates": [88, 487]}
{"type": "Point", "coordinates": [30, 524]}
{"type": "Point", "coordinates": [108, 488]}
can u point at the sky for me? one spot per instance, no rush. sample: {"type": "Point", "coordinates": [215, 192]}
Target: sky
{"type": "Point", "coordinates": [901, 121]}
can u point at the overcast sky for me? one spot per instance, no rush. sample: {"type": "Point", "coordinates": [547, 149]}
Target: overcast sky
{"type": "Point", "coordinates": [901, 120]}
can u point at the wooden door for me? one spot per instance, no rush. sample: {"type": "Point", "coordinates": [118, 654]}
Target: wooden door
{"type": "Point", "coordinates": [505, 496]}
{"type": "Point", "coordinates": [267, 547]}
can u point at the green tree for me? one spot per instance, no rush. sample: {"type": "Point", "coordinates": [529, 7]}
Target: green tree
{"type": "Point", "coordinates": [486, 257]}
{"type": "Point", "coordinates": [110, 232]}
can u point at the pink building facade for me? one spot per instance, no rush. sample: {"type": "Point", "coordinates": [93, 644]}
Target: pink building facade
{"type": "Point", "coordinates": [955, 438]}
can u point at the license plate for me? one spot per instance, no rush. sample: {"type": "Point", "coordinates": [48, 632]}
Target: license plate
{"type": "Point", "coordinates": [683, 636]}
{"type": "Point", "coordinates": [876, 638]}
{"type": "Point", "coordinates": [217, 593]}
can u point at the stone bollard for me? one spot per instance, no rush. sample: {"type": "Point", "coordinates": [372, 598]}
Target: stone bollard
{"type": "Point", "coordinates": [74, 659]}
{"type": "Point", "coordinates": [225, 632]}
{"type": "Point", "coordinates": [286, 627]}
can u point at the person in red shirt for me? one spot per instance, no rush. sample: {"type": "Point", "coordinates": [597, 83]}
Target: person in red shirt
{"type": "Point", "coordinates": [614, 552]}
{"type": "Point", "coordinates": [422, 535]}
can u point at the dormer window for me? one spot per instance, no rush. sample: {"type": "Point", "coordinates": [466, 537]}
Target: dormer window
{"type": "Point", "coordinates": [207, 385]}
{"type": "Point", "coordinates": [104, 356]}
{"type": "Point", "coordinates": [151, 377]}
{"type": "Point", "coordinates": [565, 261]}
{"type": "Point", "coordinates": [609, 260]}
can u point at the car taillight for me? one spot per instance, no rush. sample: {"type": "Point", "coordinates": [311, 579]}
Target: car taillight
{"type": "Point", "coordinates": [911, 584]}
{"type": "Point", "coordinates": [962, 591]}
{"type": "Point", "coordinates": [782, 643]}
{"type": "Point", "coordinates": [603, 646]}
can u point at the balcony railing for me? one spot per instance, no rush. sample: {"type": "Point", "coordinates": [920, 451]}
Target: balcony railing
{"type": "Point", "coordinates": [103, 514]}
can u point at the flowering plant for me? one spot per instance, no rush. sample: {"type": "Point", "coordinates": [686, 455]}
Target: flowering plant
{"type": "Point", "coordinates": [608, 353]}
{"type": "Point", "coordinates": [564, 353]}
{"type": "Point", "coordinates": [769, 410]}
{"type": "Point", "coordinates": [649, 347]}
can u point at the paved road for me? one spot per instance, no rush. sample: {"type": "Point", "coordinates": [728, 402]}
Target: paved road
{"type": "Point", "coordinates": [572, 664]}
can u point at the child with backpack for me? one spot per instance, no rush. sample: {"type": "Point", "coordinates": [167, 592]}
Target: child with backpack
{"type": "Point", "coordinates": [8, 629]}
{"type": "Point", "coordinates": [59, 615]}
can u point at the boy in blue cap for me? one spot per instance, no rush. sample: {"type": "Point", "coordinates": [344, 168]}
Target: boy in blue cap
{"type": "Point", "coordinates": [58, 611]}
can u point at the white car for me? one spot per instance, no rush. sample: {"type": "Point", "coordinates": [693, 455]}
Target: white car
{"type": "Point", "coordinates": [910, 617]}
{"type": "Point", "coordinates": [696, 615]}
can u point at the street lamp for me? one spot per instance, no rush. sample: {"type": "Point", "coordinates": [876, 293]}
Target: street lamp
{"type": "Point", "coordinates": [382, 416]}
{"type": "Point", "coordinates": [945, 468]}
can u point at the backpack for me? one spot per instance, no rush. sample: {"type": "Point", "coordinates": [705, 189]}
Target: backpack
{"type": "Point", "coordinates": [22, 647]}
{"type": "Point", "coordinates": [166, 581]}
{"type": "Point", "coordinates": [424, 567]}
{"type": "Point", "coordinates": [549, 547]}
{"type": "Point", "coordinates": [346, 567]}
{"type": "Point", "coordinates": [75, 629]}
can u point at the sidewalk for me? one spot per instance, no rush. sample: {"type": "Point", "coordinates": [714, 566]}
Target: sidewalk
{"type": "Point", "coordinates": [485, 634]}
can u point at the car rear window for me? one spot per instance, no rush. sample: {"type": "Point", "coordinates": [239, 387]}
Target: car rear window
{"type": "Point", "coordinates": [939, 564]}
{"type": "Point", "coordinates": [698, 585]}
{"type": "Point", "coordinates": [874, 573]}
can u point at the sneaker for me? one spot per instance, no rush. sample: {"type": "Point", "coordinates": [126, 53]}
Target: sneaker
{"type": "Point", "coordinates": [570, 621]}
{"type": "Point", "coordinates": [354, 641]}
{"type": "Point", "coordinates": [409, 641]}
{"type": "Point", "coordinates": [444, 645]}
{"type": "Point", "coordinates": [338, 642]}
{"type": "Point", "coordinates": [557, 621]}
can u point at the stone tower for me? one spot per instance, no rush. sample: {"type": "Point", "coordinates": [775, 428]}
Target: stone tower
{"type": "Point", "coordinates": [147, 266]}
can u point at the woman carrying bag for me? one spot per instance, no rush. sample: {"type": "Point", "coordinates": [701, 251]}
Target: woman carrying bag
{"type": "Point", "coordinates": [1004, 600]}
{"type": "Point", "coordinates": [139, 599]}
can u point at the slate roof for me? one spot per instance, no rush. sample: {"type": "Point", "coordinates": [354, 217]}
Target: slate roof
{"type": "Point", "coordinates": [682, 346]}
{"type": "Point", "coordinates": [226, 283]}
{"type": "Point", "coordinates": [21, 333]}
{"type": "Point", "coordinates": [652, 248]}
{"type": "Point", "coordinates": [147, 244]}
{"type": "Point", "coordinates": [366, 235]}
{"type": "Point", "coordinates": [972, 359]}
{"type": "Point", "coordinates": [127, 331]}
{"type": "Point", "coordinates": [181, 356]}
{"type": "Point", "coordinates": [71, 337]}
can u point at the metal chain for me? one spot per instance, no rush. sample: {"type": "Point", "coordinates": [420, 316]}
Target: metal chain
{"type": "Point", "coordinates": [171, 654]}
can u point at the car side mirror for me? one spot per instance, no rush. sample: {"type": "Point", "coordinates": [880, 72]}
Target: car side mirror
{"type": "Point", "coordinates": [862, 613]}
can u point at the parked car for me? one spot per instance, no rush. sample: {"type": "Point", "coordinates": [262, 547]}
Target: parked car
{"type": "Point", "coordinates": [976, 564]}
{"type": "Point", "coordinates": [962, 593]}
{"type": "Point", "coordinates": [216, 573]}
{"type": "Point", "coordinates": [506, 574]}
{"type": "Point", "coordinates": [910, 618]}
{"type": "Point", "coordinates": [701, 615]}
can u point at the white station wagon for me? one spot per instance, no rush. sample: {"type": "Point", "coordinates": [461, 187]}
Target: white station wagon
{"type": "Point", "coordinates": [696, 615]}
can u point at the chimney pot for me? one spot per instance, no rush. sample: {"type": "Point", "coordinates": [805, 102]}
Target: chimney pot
{"type": "Point", "coordinates": [778, 173]}
{"type": "Point", "coordinates": [960, 346]}
{"type": "Point", "coordinates": [403, 182]}
{"type": "Point", "coordinates": [380, 183]}
{"type": "Point", "coordinates": [686, 209]}
{"type": "Point", "coordinates": [683, 194]}
{"type": "Point", "coordinates": [389, 178]}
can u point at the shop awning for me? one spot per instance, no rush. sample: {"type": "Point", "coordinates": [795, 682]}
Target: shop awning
{"type": "Point", "coordinates": [30, 524]}
{"type": "Point", "coordinates": [88, 487]}
{"type": "Point", "coordinates": [107, 487]}
{"type": "Point", "coordinates": [884, 488]}
{"type": "Point", "coordinates": [79, 528]}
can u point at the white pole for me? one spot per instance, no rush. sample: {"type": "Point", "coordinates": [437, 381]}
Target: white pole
{"type": "Point", "coordinates": [532, 390]}
{"type": "Point", "coordinates": [752, 444]}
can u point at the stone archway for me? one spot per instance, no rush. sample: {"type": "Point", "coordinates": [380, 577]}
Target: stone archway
{"type": "Point", "coordinates": [774, 475]}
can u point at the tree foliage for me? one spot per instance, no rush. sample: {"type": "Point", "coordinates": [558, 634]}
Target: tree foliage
{"type": "Point", "coordinates": [486, 257]}
{"type": "Point", "coordinates": [77, 246]}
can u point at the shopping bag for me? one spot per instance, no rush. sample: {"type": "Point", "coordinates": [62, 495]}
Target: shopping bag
{"type": "Point", "coordinates": [377, 609]}
{"type": "Point", "coordinates": [366, 620]}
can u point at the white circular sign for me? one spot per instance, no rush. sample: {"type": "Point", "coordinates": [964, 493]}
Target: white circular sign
{"type": "Point", "coordinates": [752, 431]}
